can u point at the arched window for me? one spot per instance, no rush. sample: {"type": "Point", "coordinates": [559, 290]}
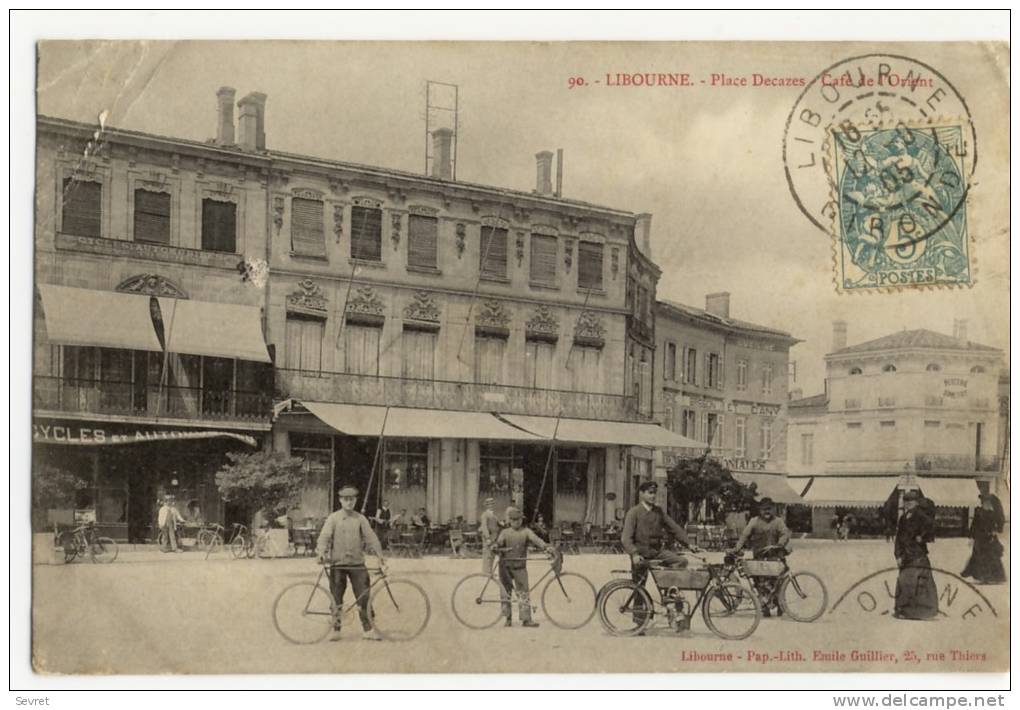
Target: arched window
{"type": "Point", "coordinates": [855, 371]}
{"type": "Point", "coordinates": [889, 368]}
{"type": "Point", "coordinates": [977, 370]}
{"type": "Point", "coordinates": [934, 367]}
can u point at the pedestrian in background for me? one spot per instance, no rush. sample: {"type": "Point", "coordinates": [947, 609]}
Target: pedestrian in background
{"type": "Point", "coordinates": [167, 520]}
{"type": "Point", "coordinates": [488, 530]}
{"type": "Point", "coordinates": [985, 563]}
{"type": "Point", "coordinates": [916, 594]}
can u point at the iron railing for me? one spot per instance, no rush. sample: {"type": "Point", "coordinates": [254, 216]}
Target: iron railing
{"type": "Point", "coordinates": [65, 394]}
{"type": "Point", "coordinates": [459, 396]}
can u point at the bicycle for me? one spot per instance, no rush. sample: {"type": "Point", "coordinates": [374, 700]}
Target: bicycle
{"type": "Point", "coordinates": [305, 612]}
{"type": "Point", "coordinates": [265, 547]}
{"type": "Point", "coordinates": [568, 598]}
{"type": "Point", "coordinates": [729, 609]}
{"type": "Point", "coordinates": [240, 542]}
{"type": "Point", "coordinates": [802, 596]}
{"type": "Point", "coordinates": [83, 540]}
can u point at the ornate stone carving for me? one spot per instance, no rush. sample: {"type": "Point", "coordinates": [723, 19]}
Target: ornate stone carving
{"type": "Point", "coordinates": [338, 222]}
{"type": "Point", "coordinates": [221, 187]}
{"type": "Point", "coordinates": [493, 314]}
{"type": "Point", "coordinates": [307, 298]}
{"type": "Point", "coordinates": [568, 254]}
{"type": "Point", "coordinates": [544, 229]}
{"type": "Point", "coordinates": [395, 220]}
{"type": "Point", "coordinates": [423, 210]}
{"type": "Point", "coordinates": [520, 248]}
{"type": "Point", "coordinates": [306, 193]}
{"type": "Point", "coordinates": [367, 202]}
{"type": "Point", "coordinates": [589, 330]}
{"type": "Point", "coordinates": [365, 301]}
{"type": "Point", "coordinates": [278, 213]}
{"type": "Point", "coordinates": [614, 260]}
{"type": "Point", "coordinates": [592, 237]}
{"type": "Point", "coordinates": [422, 308]}
{"type": "Point", "coordinates": [151, 285]}
{"type": "Point", "coordinates": [543, 323]}
{"type": "Point", "coordinates": [461, 236]}
{"type": "Point", "coordinates": [497, 222]}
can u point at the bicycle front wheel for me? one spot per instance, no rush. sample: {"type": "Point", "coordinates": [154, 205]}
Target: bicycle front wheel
{"type": "Point", "coordinates": [625, 608]}
{"type": "Point", "coordinates": [568, 600]}
{"type": "Point", "coordinates": [264, 548]}
{"type": "Point", "coordinates": [213, 544]}
{"type": "Point", "coordinates": [238, 547]}
{"type": "Point", "coordinates": [103, 549]}
{"type": "Point", "coordinates": [731, 611]}
{"type": "Point", "coordinates": [400, 609]}
{"type": "Point", "coordinates": [303, 613]}
{"type": "Point", "coordinates": [476, 601]}
{"type": "Point", "coordinates": [803, 596]}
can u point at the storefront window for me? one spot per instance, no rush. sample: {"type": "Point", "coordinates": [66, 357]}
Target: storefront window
{"type": "Point", "coordinates": [571, 484]}
{"type": "Point", "coordinates": [407, 463]}
{"type": "Point", "coordinates": [317, 452]}
{"type": "Point", "coordinates": [495, 464]}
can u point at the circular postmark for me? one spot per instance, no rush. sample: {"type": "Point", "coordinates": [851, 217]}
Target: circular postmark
{"type": "Point", "coordinates": [880, 150]}
{"type": "Point", "coordinates": [875, 595]}
{"type": "Point", "coordinates": [866, 90]}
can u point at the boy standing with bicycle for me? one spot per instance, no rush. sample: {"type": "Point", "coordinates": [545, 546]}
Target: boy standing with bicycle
{"type": "Point", "coordinates": [513, 544]}
{"type": "Point", "coordinates": [342, 542]}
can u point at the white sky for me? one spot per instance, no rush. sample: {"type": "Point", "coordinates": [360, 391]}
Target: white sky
{"type": "Point", "coordinates": [707, 163]}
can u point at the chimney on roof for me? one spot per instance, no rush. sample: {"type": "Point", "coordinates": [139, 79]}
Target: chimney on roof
{"type": "Point", "coordinates": [225, 115]}
{"type": "Point", "coordinates": [960, 329]}
{"type": "Point", "coordinates": [251, 122]}
{"type": "Point", "coordinates": [543, 181]}
{"type": "Point", "coordinates": [643, 233]}
{"type": "Point", "coordinates": [442, 153]}
{"type": "Point", "coordinates": [718, 304]}
{"type": "Point", "coordinates": [838, 335]}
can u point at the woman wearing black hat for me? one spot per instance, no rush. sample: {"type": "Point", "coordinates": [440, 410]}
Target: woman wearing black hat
{"type": "Point", "coordinates": [985, 563]}
{"type": "Point", "coordinates": [916, 594]}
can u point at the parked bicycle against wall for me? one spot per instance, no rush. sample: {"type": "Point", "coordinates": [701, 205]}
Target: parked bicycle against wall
{"type": "Point", "coordinates": [567, 599]}
{"type": "Point", "coordinates": [83, 540]}
{"type": "Point", "coordinates": [731, 610]}
{"type": "Point", "coordinates": [800, 595]}
{"type": "Point", "coordinates": [305, 612]}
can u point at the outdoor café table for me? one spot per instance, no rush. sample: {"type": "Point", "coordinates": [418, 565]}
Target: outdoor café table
{"type": "Point", "coordinates": [471, 540]}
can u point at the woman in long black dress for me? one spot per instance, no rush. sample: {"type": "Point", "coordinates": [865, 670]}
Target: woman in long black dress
{"type": "Point", "coordinates": [985, 563]}
{"type": "Point", "coordinates": [916, 594]}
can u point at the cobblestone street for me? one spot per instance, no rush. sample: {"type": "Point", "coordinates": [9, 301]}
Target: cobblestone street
{"type": "Point", "coordinates": [150, 613]}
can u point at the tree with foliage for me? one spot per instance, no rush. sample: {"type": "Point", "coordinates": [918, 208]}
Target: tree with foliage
{"type": "Point", "coordinates": [261, 481]}
{"type": "Point", "coordinates": [693, 482]}
{"type": "Point", "coordinates": [55, 487]}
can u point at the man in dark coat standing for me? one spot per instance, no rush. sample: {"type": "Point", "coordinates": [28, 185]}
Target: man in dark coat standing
{"type": "Point", "coordinates": [916, 594]}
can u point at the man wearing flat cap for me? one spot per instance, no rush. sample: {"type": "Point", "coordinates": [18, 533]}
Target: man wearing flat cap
{"type": "Point", "coordinates": [645, 529]}
{"type": "Point", "coordinates": [342, 542]}
{"type": "Point", "coordinates": [513, 543]}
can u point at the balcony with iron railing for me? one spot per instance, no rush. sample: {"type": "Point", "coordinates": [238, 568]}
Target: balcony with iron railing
{"type": "Point", "coordinates": [458, 396]}
{"type": "Point", "coordinates": [956, 463]}
{"type": "Point", "coordinates": [62, 394]}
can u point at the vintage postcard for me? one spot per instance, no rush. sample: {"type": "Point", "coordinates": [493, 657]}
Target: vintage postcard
{"type": "Point", "coordinates": [529, 357]}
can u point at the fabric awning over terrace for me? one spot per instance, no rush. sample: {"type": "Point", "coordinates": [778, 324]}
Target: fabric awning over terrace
{"type": "Point", "coordinates": [81, 316]}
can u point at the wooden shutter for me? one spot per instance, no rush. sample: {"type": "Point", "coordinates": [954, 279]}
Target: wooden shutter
{"type": "Point", "coordinates": [418, 356]}
{"type": "Point", "coordinates": [589, 266]}
{"type": "Point", "coordinates": [307, 236]}
{"type": "Point", "coordinates": [492, 257]}
{"type": "Point", "coordinates": [82, 208]}
{"type": "Point", "coordinates": [361, 349]}
{"type": "Point", "coordinates": [152, 217]}
{"type": "Point", "coordinates": [219, 226]}
{"type": "Point", "coordinates": [422, 235]}
{"type": "Point", "coordinates": [719, 375]}
{"type": "Point", "coordinates": [366, 233]}
{"type": "Point", "coordinates": [543, 259]}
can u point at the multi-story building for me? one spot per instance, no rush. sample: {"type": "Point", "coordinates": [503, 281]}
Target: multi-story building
{"type": "Point", "coordinates": [723, 383]}
{"type": "Point", "coordinates": [464, 327]}
{"type": "Point", "coordinates": [914, 408]}
{"type": "Point", "coordinates": [149, 360]}
{"type": "Point", "coordinates": [433, 341]}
